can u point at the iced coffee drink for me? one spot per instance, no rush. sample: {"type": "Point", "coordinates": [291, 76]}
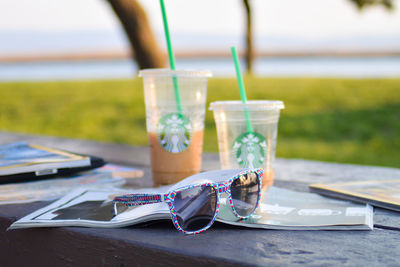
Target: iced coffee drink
{"type": "Point", "coordinates": [169, 168]}
{"type": "Point", "coordinates": [175, 133]}
{"type": "Point", "coordinates": [241, 148]}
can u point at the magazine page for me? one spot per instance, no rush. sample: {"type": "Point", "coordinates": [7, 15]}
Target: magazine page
{"type": "Point", "coordinates": [119, 171]}
{"type": "Point", "coordinates": [94, 208]}
{"type": "Point", "coordinates": [21, 157]}
{"type": "Point", "coordinates": [291, 210]}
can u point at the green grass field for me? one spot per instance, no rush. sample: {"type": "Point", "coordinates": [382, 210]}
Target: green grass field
{"type": "Point", "coordinates": [341, 120]}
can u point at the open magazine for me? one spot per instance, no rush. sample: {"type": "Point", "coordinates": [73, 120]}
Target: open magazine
{"type": "Point", "coordinates": [280, 209]}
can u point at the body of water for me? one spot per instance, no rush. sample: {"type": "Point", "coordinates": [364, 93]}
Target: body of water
{"type": "Point", "coordinates": [354, 67]}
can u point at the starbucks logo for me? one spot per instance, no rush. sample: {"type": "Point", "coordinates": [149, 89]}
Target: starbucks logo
{"type": "Point", "coordinates": [174, 132]}
{"type": "Point", "coordinates": [249, 150]}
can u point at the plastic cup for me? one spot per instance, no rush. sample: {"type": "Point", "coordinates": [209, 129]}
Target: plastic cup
{"type": "Point", "coordinates": [175, 138]}
{"type": "Point", "coordinates": [239, 148]}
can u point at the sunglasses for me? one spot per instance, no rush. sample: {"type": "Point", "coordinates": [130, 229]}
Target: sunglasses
{"type": "Point", "coordinates": [194, 207]}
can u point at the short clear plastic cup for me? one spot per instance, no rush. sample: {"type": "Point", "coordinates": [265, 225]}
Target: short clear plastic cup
{"type": "Point", "coordinates": [175, 137]}
{"type": "Point", "coordinates": [241, 148]}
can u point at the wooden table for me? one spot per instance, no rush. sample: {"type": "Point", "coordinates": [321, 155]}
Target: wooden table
{"type": "Point", "coordinates": [160, 244]}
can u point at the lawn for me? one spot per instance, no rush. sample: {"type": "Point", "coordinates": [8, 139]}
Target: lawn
{"type": "Point", "coordinates": [341, 120]}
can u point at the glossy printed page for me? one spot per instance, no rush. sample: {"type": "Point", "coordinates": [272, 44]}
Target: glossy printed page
{"type": "Point", "coordinates": [286, 209]}
{"type": "Point", "coordinates": [93, 208]}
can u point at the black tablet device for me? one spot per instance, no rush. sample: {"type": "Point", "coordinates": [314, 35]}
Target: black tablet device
{"type": "Point", "coordinates": [21, 162]}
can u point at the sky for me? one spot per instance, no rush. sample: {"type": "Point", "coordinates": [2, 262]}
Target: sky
{"type": "Point", "coordinates": [289, 20]}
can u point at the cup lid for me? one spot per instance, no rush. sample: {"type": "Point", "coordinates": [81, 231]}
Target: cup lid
{"type": "Point", "coordinates": [180, 73]}
{"type": "Point", "coordinates": [251, 105]}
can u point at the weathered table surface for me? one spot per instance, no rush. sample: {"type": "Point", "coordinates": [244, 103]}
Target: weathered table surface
{"type": "Point", "coordinates": [159, 243]}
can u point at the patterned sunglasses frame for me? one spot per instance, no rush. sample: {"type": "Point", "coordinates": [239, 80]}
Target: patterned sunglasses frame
{"type": "Point", "coordinates": [169, 198]}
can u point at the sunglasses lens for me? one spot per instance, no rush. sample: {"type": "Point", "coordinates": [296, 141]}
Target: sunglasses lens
{"type": "Point", "coordinates": [195, 207]}
{"type": "Point", "coordinates": [245, 190]}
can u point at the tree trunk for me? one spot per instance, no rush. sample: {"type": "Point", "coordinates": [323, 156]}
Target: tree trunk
{"type": "Point", "coordinates": [249, 55]}
{"type": "Point", "coordinates": [137, 28]}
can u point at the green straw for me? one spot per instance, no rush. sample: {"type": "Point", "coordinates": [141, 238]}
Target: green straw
{"type": "Point", "coordinates": [171, 57]}
{"type": "Point", "coordinates": [242, 90]}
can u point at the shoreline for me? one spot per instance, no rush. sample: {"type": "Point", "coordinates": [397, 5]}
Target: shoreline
{"type": "Point", "coordinates": [118, 55]}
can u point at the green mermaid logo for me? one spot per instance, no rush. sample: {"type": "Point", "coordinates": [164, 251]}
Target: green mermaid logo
{"type": "Point", "coordinates": [249, 150]}
{"type": "Point", "coordinates": [174, 132]}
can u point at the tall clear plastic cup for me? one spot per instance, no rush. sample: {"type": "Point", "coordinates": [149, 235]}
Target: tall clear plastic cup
{"type": "Point", "coordinates": [241, 148]}
{"type": "Point", "coordinates": [175, 132]}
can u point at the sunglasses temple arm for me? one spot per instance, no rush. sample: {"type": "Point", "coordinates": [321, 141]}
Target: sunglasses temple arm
{"type": "Point", "coordinates": [137, 200]}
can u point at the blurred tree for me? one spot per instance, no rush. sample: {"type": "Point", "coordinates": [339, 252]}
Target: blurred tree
{"type": "Point", "coordinates": [249, 54]}
{"type": "Point", "coordinates": [361, 3]}
{"type": "Point", "coordinates": [136, 25]}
